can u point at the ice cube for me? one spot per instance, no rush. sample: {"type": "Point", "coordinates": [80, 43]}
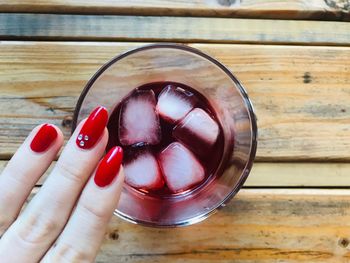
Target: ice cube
{"type": "Point", "coordinates": [174, 103]}
{"type": "Point", "coordinates": [138, 121]}
{"type": "Point", "coordinates": [143, 171]}
{"type": "Point", "coordinates": [180, 167]}
{"type": "Point", "coordinates": [198, 131]}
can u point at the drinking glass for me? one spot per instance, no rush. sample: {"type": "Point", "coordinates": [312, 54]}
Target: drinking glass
{"type": "Point", "coordinates": [189, 66]}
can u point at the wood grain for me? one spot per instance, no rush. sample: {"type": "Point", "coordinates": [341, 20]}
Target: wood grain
{"type": "Point", "coordinates": [287, 9]}
{"type": "Point", "coordinates": [176, 29]}
{"type": "Point", "coordinates": [300, 94]}
{"type": "Point", "coordinates": [268, 225]}
{"type": "Point", "coordinates": [329, 175]}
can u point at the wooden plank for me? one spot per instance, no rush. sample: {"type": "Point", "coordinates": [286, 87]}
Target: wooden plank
{"type": "Point", "coordinates": [315, 175]}
{"type": "Point", "coordinates": [286, 9]}
{"type": "Point", "coordinates": [257, 226]}
{"type": "Point", "coordinates": [268, 225]}
{"type": "Point", "coordinates": [176, 29]}
{"type": "Point", "coordinates": [299, 175]}
{"type": "Point", "coordinates": [300, 94]}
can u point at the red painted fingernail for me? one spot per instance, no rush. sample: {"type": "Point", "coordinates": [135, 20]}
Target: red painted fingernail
{"type": "Point", "coordinates": [109, 167]}
{"type": "Point", "coordinates": [42, 140]}
{"type": "Point", "coordinates": [93, 128]}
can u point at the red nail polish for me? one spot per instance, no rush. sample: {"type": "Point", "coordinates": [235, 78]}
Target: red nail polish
{"type": "Point", "coordinates": [43, 138]}
{"type": "Point", "coordinates": [109, 167]}
{"type": "Point", "coordinates": [92, 128]}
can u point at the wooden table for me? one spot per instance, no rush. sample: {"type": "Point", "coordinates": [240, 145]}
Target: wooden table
{"type": "Point", "coordinates": [292, 56]}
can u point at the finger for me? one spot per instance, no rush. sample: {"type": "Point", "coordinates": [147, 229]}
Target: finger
{"type": "Point", "coordinates": [31, 235]}
{"type": "Point", "coordinates": [28, 164]}
{"type": "Point", "coordinates": [82, 236]}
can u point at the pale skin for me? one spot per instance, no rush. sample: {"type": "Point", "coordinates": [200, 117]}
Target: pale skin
{"type": "Point", "coordinates": [67, 219]}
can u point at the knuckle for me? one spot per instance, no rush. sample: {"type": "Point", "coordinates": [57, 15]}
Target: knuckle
{"type": "Point", "coordinates": [69, 171]}
{"type": "Point", "coordinates": [96, 213]}
{"type": "Point", "coordinates": [68, 253]}
{"type": "Point", "coordinates": [39, 229]}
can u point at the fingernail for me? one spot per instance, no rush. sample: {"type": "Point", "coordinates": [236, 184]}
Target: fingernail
{"type": "Point", "coordinates": [93, 128]}
{"type": "Point", "coordinates": [109, 167]}
{"type": "Point", "coordinates": [42, 140]}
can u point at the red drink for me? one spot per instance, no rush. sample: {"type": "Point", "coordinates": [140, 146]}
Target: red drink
{"type": "Point", "coordinates": [190, 127]}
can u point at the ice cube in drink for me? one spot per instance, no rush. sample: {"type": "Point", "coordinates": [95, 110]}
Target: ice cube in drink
{"type": "Point", "coordinates": [198, 131]}
{"type": "Point", "coordinates": [139, 121]}
{"type": "Point", "coordinates": [141, 169]}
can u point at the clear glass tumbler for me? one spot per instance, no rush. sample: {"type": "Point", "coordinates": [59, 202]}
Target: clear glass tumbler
{"type": "Point", "coordinates": [183, 64]}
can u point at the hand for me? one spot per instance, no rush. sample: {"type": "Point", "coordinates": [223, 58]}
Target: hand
{"type": "Point", "coordinates": [66, 220]}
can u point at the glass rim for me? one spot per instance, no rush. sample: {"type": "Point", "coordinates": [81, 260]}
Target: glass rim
{"type": "Point", "coordinates": [248, 104]}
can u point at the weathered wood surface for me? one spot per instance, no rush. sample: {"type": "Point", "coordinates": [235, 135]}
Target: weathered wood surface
{"type": "Point", "coordinates": [325, 175]}
{"type": "Point", "coordinates": [267, 225]}
{"type": "Point", "coordinates": [178, 29]}
{"type": "Point", "coordinates": [301, 94]}
{"type": "Point", "coordinates": [283, 9]}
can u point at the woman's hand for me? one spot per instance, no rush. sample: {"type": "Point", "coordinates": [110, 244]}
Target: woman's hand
{"type": "Point", "coordinates": [67, 219]}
